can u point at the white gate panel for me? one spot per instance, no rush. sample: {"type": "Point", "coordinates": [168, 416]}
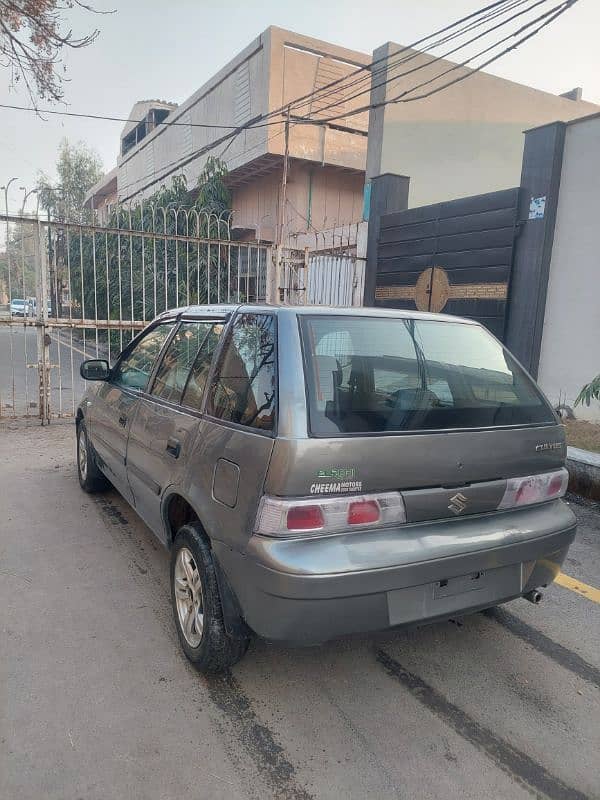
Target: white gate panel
{"type": "Point", "coordinates": [335, 280]}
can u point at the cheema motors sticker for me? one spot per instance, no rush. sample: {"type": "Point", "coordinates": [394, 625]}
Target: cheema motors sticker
{"type": "Point", "coordinates": [339, 488]}
{"type": "Point", "coordinates": [336, 480]}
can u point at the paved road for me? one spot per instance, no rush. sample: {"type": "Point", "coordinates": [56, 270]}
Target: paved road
{"type": "Point", "coordinates": [97, 702]}
{"type": "Point", "coordinates": [19, 394]}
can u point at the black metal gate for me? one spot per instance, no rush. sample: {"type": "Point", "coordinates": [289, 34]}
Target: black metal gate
{"type": "Point", "coordinates": [454, 257]}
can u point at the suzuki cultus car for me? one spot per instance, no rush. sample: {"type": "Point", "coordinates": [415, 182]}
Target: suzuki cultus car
{"type": "Point", "coordinates": [317, 472]}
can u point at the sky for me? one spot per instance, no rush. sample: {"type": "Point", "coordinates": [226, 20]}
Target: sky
{"type": "Point", "coordinates": [168, 48]}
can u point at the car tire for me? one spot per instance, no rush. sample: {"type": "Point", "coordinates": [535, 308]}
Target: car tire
{"type": "Point", "coordinates": [91, 478]}
{"type": "Point", "coordinates": [197, 604]}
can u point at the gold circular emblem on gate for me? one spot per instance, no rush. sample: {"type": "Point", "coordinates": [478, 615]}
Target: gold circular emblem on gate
{"type": "Point", "coordinates": [432, 290]}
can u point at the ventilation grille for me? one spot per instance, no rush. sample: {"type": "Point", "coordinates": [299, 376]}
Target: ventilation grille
{"type": "Point", "coordinates": [242, 94]}
{"type": "Point", "coordinates": [186, 143]}
{"type": "Point", "coordinates": [149, 155]}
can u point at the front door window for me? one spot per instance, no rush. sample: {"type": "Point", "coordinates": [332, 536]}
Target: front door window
{"type": "Point", "coordinates": [174, 370]}
{"type": "Point", "coordinates": [134, 369]}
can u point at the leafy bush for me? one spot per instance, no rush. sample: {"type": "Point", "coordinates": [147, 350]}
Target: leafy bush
{"type": "Point", "coordinates": [591, 391]}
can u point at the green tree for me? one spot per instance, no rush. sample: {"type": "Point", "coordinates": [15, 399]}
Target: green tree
{"type": "Point", "coordinates": [20, 253]}
{"type": "Point", "coordinates": [115, 275]}
{"type": "Point", "coordinates": [213, 193]}
{"type": "Point", "coordinates": [78, 168]}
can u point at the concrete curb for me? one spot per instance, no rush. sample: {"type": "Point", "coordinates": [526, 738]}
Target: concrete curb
{"type": "Point", "coordinates": [584, 472]}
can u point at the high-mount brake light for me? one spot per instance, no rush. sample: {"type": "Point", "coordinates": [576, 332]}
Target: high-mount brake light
{"type": "Point", "coordinates": [323, 515]}
{"type": "Point", "coordinates": [535, 489]}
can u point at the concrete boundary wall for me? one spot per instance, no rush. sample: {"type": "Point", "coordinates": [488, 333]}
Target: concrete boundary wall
{"type": "Point", "coordinates": [569, 353]}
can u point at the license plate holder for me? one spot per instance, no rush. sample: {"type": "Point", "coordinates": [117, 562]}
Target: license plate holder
{"type": "Point", "coordinates": [475, 581]}
{"type": "Point", "coordinates": [455, 594]}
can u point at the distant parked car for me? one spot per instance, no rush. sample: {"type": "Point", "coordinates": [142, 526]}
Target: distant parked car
{"type": "Point", "coordinates": [33, 304]}
{"type": "Point", "coordinates": [323, 471]}
{"type": "Point", "coordinates": [20, 307]}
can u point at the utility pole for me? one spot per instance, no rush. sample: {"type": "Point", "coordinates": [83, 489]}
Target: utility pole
{"type": "Point", "coordinates": [279, 290]}
{"type": "Point", "coordinates": [8, 277]}
{"type": "Point", "coordinates": [52, 267]}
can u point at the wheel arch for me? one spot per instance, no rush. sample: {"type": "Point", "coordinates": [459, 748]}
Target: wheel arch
{"type": "Point", "coordinates": [177, 511]}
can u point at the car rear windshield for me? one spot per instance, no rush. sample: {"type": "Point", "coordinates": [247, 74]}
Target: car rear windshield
{"type": "Point", "coordinates": [378, 374]}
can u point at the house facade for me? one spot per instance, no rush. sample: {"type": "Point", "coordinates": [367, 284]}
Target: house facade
{"type": "Point", "coordinates": [462, 141]}
{"type": "Point", "coordinates": [326, 161]}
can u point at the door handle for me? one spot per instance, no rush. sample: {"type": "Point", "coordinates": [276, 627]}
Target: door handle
{"type": "Point", "coordinates": [173, 447]}
{"type": "Point", "coordinates": [122, 420]}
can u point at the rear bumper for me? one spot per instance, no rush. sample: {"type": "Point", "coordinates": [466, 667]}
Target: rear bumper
{"type": "Point", "coordinates": [311, 590]}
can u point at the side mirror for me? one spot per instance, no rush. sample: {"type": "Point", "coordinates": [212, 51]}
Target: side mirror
{"type": "Point", "coordinates": [95, 369]}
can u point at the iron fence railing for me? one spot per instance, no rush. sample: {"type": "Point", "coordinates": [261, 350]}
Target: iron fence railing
{"type": "Point", "coordinates": [70, 291]}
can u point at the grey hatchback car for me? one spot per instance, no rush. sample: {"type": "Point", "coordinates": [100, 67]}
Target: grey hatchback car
{"type": "Point", "coordinates": [317, 472]}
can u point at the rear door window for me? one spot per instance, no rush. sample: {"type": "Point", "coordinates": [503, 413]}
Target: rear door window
{"type": "Point", "coordinates": [377, 374]}
{"type": "Point", "coordinates": [194, 391]}
{"type": "Point", "coordinates": [244, 387]}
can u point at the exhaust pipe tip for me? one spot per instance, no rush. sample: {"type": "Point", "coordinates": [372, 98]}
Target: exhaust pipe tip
{"type": "Point", "coordinates": [534, 596]}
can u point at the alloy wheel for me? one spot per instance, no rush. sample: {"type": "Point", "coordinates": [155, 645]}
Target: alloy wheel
{"type": "Point", "coordinates": [188, 597]}
{"type": "Point", "coordinates": [83, 454]}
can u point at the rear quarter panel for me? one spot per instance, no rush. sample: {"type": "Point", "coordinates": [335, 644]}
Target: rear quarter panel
{"type": "Point", "coordinates": [251, 452]}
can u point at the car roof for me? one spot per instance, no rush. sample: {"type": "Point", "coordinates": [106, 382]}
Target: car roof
{"type": "Point", "coordinates": [198, 311]}
{"type": "Point", "coordinates": [225, 310]}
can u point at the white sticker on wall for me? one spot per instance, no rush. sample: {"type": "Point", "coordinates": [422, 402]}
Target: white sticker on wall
{"type": "Point", "coordinates": [537, 206]}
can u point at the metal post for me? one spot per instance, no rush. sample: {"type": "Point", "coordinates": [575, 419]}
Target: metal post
{"type": "Point", "coordinates": [10, 298]}
{"type": "Point", "coordinates": [9, 280]}
{"type": "Point", "coordinates": [43, 337]}
{"type": "Point", "coordinates": [52, 264]}
{"type": "Point", "coordinates": [279, 293]}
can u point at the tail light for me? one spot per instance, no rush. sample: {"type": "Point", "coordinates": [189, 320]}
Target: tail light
{"type": "Point", "coordinates": [305, 518]}
{"type": "Point", "coordinates": [297, 517]}
{"type": "Point", "coordinates": [534, 489]}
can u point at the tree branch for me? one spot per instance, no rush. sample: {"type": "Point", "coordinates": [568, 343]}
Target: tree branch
{"type": "Point", "coordinates": [31, 41]}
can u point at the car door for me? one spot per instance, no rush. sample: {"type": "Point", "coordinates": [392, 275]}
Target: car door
{"type": "Point", "coordinates": [110, 412]}
{"type": "Point", "coordinates": [166, 422]}
{"type": "Point", "coordinates": [235, 439]}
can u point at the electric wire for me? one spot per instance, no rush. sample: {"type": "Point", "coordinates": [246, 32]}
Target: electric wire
{"type": "Point", "coordinates": [56, 112]}
{"type": "Point", "coordinates": [260, 118]}
{"type": "Point", "coordinates": [368, 67]}
{"type": "Point", "coordinates": [546, 19]}
{"type": "Point", "coordinates": [445, 55]}
{"type": "Point", "coordinates": [412, 54]}
{"type": "Point", "coordinates": [176, 163]}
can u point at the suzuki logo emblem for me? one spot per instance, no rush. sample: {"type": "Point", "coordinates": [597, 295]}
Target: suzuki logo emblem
{"type": "Point", "coordinates": [458, 503]}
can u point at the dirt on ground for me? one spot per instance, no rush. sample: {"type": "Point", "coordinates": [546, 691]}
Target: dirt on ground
{"type": "Point", "coordinates": [583, 434]}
